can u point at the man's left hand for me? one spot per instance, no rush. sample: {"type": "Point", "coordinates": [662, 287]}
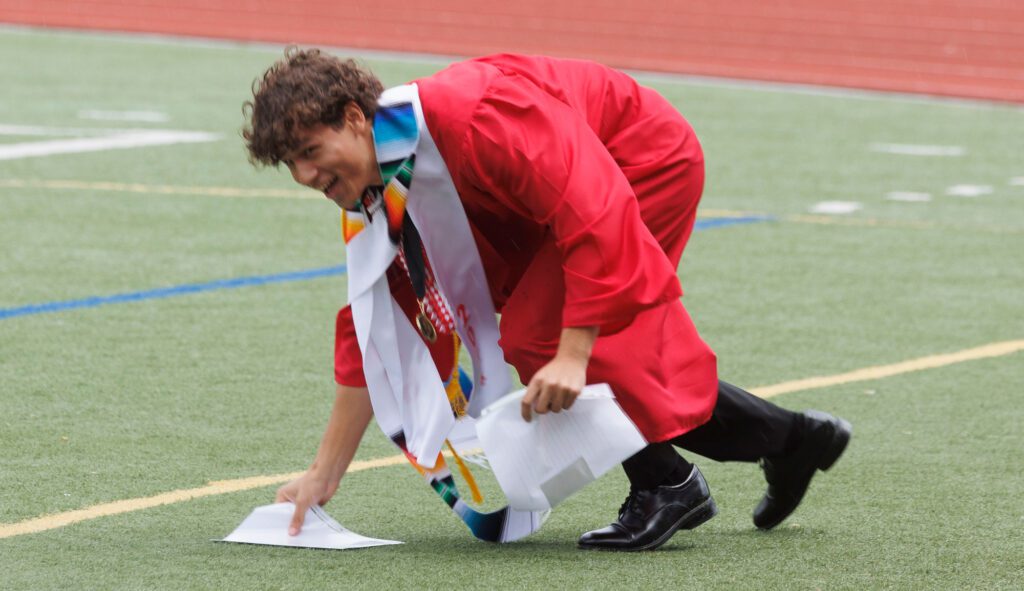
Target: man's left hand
{"type": "Point", "coordinates": [555, 386]}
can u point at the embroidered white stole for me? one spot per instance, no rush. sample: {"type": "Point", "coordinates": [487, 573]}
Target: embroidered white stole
{"type": "Point", "coordinates": [406, 390]}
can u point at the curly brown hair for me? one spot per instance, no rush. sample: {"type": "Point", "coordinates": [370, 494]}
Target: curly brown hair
{"type": "Point", "coordinates": [306, 88]}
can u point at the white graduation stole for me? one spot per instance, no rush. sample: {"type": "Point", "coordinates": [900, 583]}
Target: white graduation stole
{"type": "Point", "coordinates": [405, 388]}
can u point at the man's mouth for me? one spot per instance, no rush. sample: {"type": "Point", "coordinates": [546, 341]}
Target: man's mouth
{"type": "Point", "coordinates": [326, 188]}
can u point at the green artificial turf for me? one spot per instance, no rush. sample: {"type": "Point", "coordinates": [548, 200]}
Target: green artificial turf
{"type": "Point", "coordinates": [134, 399]}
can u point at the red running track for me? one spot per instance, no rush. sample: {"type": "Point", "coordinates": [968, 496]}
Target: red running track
{"type": "Point", "coordinates": [963, 48]}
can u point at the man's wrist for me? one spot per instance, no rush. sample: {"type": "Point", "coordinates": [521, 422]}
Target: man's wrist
{"type": "Point", "coordinates": [577, 343]}
{"type": "Point", "coordinates": [322, 472]}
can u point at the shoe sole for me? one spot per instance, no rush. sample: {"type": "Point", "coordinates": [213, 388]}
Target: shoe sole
{"type": "Point", "coordinates": [697, 516]}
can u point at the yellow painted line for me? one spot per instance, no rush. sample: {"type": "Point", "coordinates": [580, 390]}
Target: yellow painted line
{"type": "Point", "coordinates": [159, 189]}
{"type": "Point", "coordinates": [862, 222]}
{"type": "Point", "coordinates": [66, 185]}
{"type": "Point", "coordinates": [727, 213]}
{"type": "Point", "coordinates": [71, 185]}
{"type": "Point", "coordinates": [884, 371]}
{"type": "Point", "coordinates": [47, 522]}
{"type": "Point", "coordinates": [219, 487]}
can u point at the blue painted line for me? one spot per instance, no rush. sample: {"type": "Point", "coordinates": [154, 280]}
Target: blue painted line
{"type": "Point", "coordinates": [723, 222]}
{"type": "Point", "coordinates": [168, 292]}
{"type": "Point", "coordinates": [192, 288]}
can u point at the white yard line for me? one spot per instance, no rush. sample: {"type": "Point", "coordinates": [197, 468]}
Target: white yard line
{"type": "Point", "coordinates": [918, 149]}
{"type": "Point", "coordinates": [836, 207]}
{"type": "Point", "coordinates": [120, 141]}
{"type": "Point", "coordinates": [140, 116]}
{"type": "Point", "coordinates": [969, 190]}
{"type": "Point", "coordinates": [909, 196]}
{"type": "Point", "coordinates": [49, 131]}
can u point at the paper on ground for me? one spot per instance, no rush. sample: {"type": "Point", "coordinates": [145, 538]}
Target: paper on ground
{"type": "Point", "coordinates": [268, 525]}
{"type": "Point", "coordinates": [541, 463]}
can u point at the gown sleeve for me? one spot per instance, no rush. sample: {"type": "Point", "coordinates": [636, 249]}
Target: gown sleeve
{"type": "Point", "coordinates": [348, 359]}
{"type": "Point", "coordinates": [540, 158]}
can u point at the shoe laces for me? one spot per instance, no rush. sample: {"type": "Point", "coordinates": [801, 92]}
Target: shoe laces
{"type": "Point", "coordinates": [632, 502]}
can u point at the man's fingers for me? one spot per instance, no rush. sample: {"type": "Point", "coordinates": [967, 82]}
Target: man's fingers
{"type": "Point", "coordinates": [558, 400]}
{"type": "Point", "coordinates": [543, 396]}
{"type": "Point", "coordinates": [297, 518]}
{"type": "Point", "coordinates": [543, 403]}
{"type": "Point", "coordinates": [526, 406]}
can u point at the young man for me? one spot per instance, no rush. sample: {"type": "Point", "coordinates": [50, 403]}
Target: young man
{"type": "Point", "coordinates": [579, 190]}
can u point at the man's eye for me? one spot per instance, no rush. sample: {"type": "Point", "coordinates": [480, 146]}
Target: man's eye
{"type": "Point", "coordinates": [308, 152]}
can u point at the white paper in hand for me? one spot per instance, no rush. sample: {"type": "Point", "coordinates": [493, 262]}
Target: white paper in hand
{"type": "Point", "coordinates": [541, 463]}
{"type": "Point", "coordinates": [268, 525]}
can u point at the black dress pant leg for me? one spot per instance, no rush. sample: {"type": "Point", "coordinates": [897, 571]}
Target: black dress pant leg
{"type": "Point", "coordinates": [654, 465]}
{"type": "Point", "coordinates": [743, 428]}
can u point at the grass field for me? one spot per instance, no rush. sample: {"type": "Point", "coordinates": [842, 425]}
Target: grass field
{"type": "Point", "coordinates": [100, 403]}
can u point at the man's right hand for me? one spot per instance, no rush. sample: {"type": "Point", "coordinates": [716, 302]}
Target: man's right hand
{"type": "Point", "coordinates": [305, 491]}
{"type": "Point", "coordinates": [351, 414]}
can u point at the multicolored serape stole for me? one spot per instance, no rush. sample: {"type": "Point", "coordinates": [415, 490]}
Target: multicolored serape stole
{"type": "Point", "coordinates": [396, 136]}
{"type": "Point", "coordinates": [504, 525]}
{"type": "Point", "coordinates": [395, 131]}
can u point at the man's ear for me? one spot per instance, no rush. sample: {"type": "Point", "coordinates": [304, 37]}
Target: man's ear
{"type": "Point", "coordinates": [354, 115]}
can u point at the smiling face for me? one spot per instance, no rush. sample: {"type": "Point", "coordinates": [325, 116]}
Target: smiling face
{"type": "Point", "coordinates": [339, 161]}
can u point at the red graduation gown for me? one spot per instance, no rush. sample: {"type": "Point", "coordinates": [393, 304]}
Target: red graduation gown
{"type": "Point", "coordinates": [581, 189]}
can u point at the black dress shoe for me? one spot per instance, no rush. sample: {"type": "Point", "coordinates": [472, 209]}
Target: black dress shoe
{"type": "Point", "coordinates": [789, 476]}
{"type": "Point", "coordinates": [648, 518]}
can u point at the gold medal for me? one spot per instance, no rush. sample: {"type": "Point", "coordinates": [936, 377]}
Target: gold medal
{"type": "Point", "coordinates": [424, 325]}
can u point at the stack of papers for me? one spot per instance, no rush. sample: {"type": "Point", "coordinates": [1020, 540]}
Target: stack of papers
{"type": "Point", "coordinates": [268, 525]}
{"type": "Point", "coordinates": [541, 463]}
